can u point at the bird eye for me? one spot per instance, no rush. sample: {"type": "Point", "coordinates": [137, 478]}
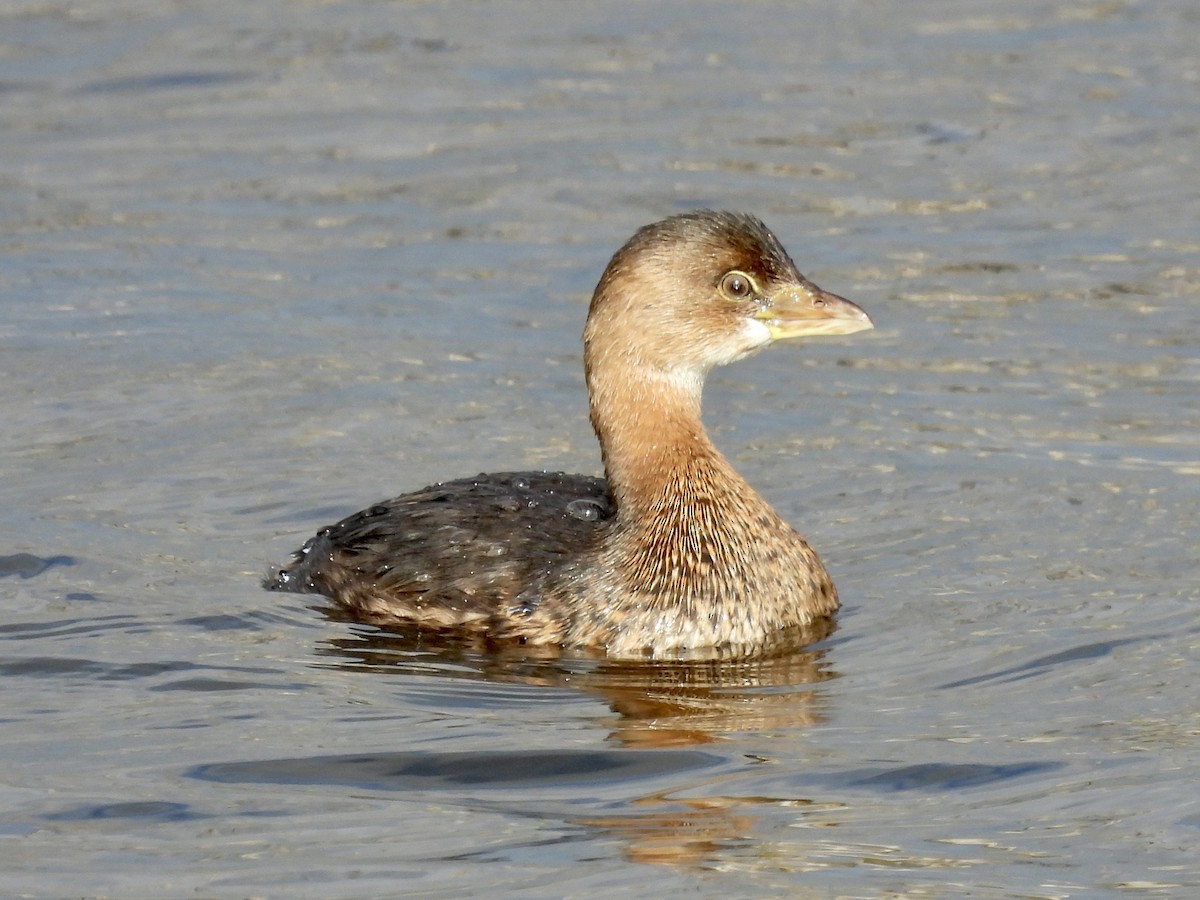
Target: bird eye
{"type": "Point", "coordinates": [737, 285]}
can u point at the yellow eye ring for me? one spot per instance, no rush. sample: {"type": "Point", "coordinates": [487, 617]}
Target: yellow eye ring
{"type": "Point", "coordinates": [737, 286]}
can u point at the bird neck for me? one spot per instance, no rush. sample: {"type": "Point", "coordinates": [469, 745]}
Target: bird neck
{"type": "Point", "coordinates": [655, 448]}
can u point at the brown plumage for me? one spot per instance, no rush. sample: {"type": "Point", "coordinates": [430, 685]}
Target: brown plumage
{"type": "Point", "coordinates": [674, 551]}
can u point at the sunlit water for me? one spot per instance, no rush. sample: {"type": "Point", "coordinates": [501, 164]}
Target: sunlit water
{"type": "Point", "coordinates": [267, 263]}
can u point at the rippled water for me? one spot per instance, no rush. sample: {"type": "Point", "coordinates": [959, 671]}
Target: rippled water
{"type": "Point", "coordinates": [267, 263]}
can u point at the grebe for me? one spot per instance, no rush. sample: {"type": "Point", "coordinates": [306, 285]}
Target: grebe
{"type": "Point", "coordinates": [673, 550]}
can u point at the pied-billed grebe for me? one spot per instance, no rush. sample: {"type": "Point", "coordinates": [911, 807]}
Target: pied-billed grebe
{"type": "Point", "coordinates": [674, 551]}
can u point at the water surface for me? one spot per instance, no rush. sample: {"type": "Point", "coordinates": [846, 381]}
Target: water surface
{"type": "Point", "coordinates": [265, 264]}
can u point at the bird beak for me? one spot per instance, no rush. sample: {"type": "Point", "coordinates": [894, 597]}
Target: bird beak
{"type": "Point", "coordinates": [804, 310]}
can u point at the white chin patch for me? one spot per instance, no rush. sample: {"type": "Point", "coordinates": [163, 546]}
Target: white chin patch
{"type": "Point", "coordinates": [756, 334]}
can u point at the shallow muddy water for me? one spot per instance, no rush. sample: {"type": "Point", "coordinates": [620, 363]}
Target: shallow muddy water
{"type": "Point", "coordinates": [267, 263]}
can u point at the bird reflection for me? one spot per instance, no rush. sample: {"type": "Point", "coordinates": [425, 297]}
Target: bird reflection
{"type": "Point", "coordinates": [659, 703]}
